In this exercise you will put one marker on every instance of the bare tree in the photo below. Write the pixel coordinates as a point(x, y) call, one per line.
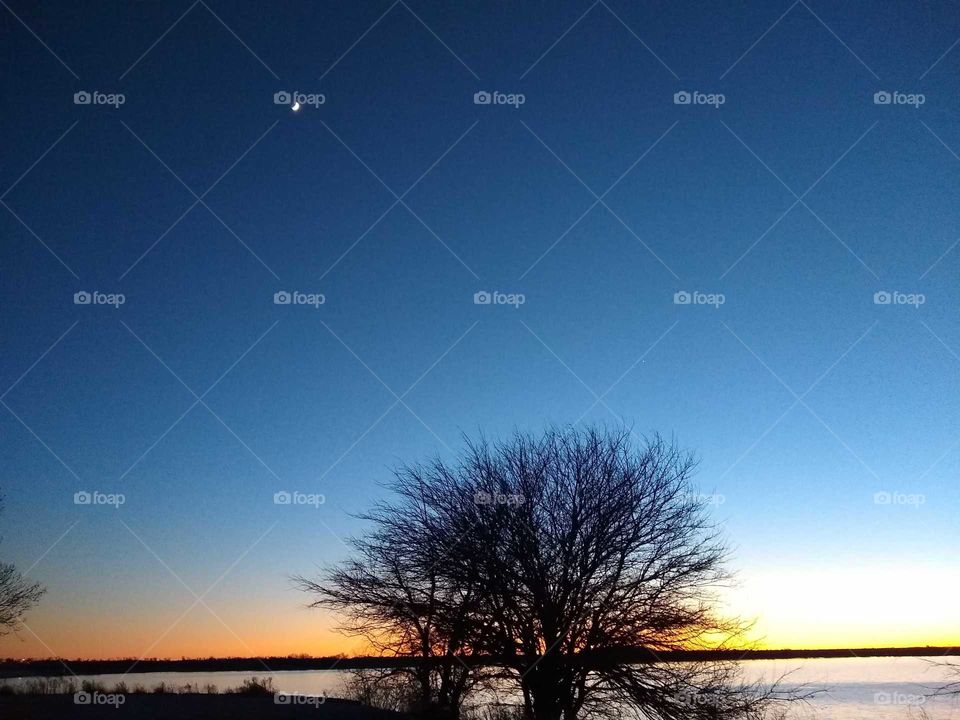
point(17, 595)
point(393, 594)
point(381, 688)
point(567, 552)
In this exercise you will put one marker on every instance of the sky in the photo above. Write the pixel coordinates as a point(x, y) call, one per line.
point(811, 224)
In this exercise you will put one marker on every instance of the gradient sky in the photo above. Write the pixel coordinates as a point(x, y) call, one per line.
point(802, 396)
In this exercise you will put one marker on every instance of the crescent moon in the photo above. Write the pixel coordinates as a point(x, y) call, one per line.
point(295, 107)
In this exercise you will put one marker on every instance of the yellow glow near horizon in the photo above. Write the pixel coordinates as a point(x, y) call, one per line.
point(863, 606)
point(795, 608)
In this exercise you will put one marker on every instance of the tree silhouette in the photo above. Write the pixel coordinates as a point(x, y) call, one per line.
point(557, 555)
point(17, 595)
point(394, 594)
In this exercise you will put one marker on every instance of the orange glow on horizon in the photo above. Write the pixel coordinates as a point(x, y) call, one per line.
point(800, 609)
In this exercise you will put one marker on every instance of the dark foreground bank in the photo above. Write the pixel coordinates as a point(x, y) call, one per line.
point(184, 707)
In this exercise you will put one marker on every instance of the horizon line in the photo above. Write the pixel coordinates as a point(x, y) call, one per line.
point(346, 661)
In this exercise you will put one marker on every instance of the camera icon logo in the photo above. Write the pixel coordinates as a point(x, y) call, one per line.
point(82, 98)
point(682, 297)
point(282, 298)
point(882, 297)
point(82, 698)
point(282, 97)
point(282, 698)
point(282, 498)
point(482, 98)
point(682, 98)
point(482, 298)
point(882, 97)
point(82, 498)
point(82, 298)
point(882, 498)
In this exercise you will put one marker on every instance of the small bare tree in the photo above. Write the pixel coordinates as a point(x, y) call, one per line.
point(381, 688)
point(17, 595)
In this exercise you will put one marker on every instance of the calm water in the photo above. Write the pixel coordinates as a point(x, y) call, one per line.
point(854, 688)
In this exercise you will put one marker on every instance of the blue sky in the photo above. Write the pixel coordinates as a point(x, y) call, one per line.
point(398, 198)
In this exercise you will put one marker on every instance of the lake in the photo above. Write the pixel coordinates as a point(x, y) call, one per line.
point(853, 688)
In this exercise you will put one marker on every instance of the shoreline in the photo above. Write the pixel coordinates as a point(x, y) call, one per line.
point(266, 665)
point(180, 706)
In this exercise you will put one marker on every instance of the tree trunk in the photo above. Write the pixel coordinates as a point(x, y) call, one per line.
point(546, 690)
